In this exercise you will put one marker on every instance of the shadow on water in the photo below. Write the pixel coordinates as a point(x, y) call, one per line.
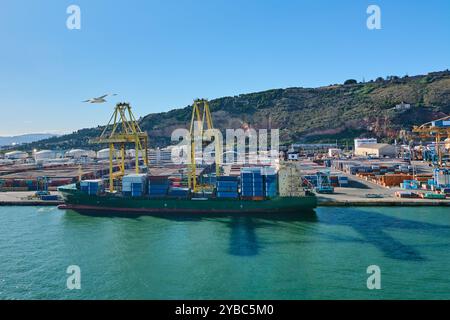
point(243, 238)
point(370, 225)
point(243, 230)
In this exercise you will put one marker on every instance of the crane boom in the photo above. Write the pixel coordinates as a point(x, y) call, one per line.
point(201, 114)
point(122, 129)
point(438, 129)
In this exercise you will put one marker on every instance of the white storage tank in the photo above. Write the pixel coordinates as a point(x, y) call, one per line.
point(131, 153)
point(44, 155)
point(104, 154)
point(80, 153)
point(16, 155)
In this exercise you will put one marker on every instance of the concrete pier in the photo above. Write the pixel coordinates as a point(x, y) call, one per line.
point(24, 199)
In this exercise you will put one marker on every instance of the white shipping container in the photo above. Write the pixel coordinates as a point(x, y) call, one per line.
point(133, 178)
point(137, 178)
point(267, 171)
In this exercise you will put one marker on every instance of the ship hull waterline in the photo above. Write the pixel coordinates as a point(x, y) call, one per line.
point(83, 203)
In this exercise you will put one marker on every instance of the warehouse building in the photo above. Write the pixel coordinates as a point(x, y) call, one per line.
point(361, 141)
point(161, 156)
point(379, 150)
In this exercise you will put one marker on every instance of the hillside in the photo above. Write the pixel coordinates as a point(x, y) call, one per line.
point(321, 114)
point(24, 138)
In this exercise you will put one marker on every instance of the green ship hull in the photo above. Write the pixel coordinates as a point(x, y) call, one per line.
point(79, 201)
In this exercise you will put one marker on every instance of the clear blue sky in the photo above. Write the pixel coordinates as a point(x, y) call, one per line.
point(160, 55)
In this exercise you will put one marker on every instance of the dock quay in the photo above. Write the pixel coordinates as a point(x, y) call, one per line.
point(341, 197)
point(24, 198)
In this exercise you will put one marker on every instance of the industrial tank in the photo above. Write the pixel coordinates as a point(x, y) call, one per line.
point(44, 155)
point(79, 153)
point(104, 154)
point(16, 155)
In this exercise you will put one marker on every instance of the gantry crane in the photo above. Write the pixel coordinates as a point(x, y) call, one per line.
point(123, 129)
point(200, 115)
point(438, 129)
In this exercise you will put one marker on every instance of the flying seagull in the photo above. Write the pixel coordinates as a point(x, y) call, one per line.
point(99, 99)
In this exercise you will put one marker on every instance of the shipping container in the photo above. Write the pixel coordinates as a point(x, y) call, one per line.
point(178, 192)
point(252, 184)
point(128, 180)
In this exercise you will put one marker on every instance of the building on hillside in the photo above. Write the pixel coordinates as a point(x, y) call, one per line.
point(379, 150)
point(402, 106)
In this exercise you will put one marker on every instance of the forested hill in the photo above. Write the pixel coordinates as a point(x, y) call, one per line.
point(324, 114)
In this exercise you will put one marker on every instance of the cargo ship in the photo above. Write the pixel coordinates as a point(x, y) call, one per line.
point(251, 192)
point(118, 203)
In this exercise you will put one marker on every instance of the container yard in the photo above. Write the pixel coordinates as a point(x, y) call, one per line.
point(25, 177)
point(353, 181)
point(372, 173)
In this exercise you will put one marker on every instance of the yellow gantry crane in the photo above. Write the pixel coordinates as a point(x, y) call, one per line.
point(201, 114)
point(438, 129)
point(123, 129)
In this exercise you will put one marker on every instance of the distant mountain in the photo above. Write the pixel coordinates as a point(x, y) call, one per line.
point(325, 114)
point(24, 138)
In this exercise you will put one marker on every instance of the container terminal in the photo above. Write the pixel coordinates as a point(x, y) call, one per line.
point(367, 174)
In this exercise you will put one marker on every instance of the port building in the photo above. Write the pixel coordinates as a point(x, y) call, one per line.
point(161, 156)
point(361, 141)
point(379, 150)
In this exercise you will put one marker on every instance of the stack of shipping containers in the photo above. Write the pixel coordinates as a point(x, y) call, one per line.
point(91, 187)
point(270, 182)
point(134, 185)
point(158, 186)
point(227, 187)
point(252, 182)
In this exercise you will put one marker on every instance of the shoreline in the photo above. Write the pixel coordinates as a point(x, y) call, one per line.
point(37, 203)
point(321, 203)
point(400, 203)
point(343, 197)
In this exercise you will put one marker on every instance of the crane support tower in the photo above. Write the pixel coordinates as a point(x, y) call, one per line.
point(438, 129)
point(121, 130)
point(201, 114)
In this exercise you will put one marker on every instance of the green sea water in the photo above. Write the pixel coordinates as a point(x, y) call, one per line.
point(321, 255)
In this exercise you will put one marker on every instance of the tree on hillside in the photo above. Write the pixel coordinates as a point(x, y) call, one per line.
point(350, 81)
point(390, 78)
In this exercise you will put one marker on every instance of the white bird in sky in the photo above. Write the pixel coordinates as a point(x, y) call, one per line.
point(99, 99)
